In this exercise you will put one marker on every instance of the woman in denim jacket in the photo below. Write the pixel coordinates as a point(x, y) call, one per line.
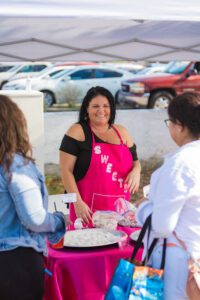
point(24, 220)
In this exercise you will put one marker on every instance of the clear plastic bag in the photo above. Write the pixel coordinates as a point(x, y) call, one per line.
point(126, 211)
point(122, 206)
point(105, 219)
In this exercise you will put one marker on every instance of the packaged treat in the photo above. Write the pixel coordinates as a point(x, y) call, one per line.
point(128, 219)
point(122, 206)
point(126, 210)
point(105, 219)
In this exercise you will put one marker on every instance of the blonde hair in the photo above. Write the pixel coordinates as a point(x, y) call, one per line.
point(13, 132)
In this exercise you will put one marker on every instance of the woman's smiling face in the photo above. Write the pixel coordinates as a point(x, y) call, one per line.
point(99, 110)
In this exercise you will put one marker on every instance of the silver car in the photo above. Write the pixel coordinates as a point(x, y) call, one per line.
point(71, 85)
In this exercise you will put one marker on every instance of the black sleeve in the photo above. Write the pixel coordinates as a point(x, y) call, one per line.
point(70, 145)
point(134, 152)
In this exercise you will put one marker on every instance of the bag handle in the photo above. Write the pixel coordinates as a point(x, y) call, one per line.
point(138, 244)
point(149, 250)
point(147, 226)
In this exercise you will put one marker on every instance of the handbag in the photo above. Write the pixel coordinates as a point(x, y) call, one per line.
point(119, 288)
point(148, 282)
point(121, 285)
point(193, 279)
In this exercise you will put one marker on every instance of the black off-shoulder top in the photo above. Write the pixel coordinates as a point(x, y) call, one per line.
point(83, 150)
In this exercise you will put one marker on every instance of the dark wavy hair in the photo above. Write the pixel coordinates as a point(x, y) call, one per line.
point(92, 93)
point(185, 109)
point(14, 135)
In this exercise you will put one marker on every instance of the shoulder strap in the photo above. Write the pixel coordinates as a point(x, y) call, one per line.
point(118, 134)
point(163, 255)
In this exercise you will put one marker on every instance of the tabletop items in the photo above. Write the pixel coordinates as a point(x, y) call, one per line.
point(126, 213)
point(105, 219)
point(93, 237)
point(85, 251)
point(124, 216)
point(109, 227)
point(128, 220)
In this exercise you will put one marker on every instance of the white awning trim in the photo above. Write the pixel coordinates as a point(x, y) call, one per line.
point(99, 30)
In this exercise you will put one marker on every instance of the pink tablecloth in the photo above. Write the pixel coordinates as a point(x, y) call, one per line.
point(82, 274)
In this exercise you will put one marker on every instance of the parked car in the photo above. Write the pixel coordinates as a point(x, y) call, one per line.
point(46, 74)
point(5, 66)
point(43, 76)
point(157, 90)
point(158, 68)
point(76, 63)
point(22, 70)
point(72, 84)
point(130, 67)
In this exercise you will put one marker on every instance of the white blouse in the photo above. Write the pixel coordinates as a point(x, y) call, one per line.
point(174, 198)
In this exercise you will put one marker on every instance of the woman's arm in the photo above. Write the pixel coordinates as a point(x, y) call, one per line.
point(169, 193)
point(169, 190)
point(133, 178)
point(27, 198)
point(67, 163)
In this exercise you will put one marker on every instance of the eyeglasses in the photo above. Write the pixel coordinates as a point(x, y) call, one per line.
point(167, 122)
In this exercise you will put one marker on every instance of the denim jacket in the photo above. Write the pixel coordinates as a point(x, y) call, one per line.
point(24, 220)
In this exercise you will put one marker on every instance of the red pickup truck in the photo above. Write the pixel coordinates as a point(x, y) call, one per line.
point(156, 90)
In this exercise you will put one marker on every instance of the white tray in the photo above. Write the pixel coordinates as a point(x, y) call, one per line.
point(93, 237)
point(134, 235)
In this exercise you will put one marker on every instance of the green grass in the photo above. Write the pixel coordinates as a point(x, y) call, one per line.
point(54, 184)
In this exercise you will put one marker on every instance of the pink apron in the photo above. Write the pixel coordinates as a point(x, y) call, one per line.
point(104, 183)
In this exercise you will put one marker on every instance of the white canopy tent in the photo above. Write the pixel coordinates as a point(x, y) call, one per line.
point(101, 30)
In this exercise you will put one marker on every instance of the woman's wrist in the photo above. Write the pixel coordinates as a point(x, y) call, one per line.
point(78, 201)
point(136, 169)
point(137, 166)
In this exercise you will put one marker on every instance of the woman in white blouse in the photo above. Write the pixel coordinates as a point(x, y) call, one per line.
point(174, 197)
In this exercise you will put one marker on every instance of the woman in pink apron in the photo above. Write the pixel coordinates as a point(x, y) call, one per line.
point(98, 160)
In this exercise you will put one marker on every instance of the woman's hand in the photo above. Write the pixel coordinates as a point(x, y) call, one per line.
point(83, 211)
point(133, 180)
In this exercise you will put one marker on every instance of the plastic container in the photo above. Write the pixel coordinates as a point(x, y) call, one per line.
point(105, 219)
